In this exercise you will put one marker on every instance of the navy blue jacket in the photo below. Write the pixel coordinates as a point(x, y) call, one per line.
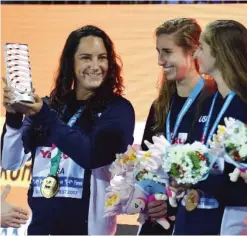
point(185, 131)
point(208, 221)
point(90, 144)
point(219, 186)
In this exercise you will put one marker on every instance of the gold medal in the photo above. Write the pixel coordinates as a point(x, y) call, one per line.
point(192, 200)
point(49, 186)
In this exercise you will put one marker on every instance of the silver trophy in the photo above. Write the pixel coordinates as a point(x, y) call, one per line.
point(17, 62)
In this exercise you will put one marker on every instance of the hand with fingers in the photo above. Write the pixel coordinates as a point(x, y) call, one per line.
point(157, 210)
point(11, 216)
point(176, 191)
point(179, 188)
point(21, 107)
point(8, 96)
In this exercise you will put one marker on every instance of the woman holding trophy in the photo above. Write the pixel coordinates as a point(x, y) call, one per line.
point(72, 137)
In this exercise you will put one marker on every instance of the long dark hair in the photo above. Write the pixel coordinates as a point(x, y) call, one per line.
point(65, 79)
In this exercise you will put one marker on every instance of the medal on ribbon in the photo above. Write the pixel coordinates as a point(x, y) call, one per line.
point(49, 186)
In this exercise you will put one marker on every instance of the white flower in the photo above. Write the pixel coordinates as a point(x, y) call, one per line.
point(151, 159)
point(234, 138)
point(181, 156)
point(199, 147)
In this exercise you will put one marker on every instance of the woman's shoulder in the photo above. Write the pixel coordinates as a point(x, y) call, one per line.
point(118, 106)
point(238, 109)
point(121, 102)
point(240, 101)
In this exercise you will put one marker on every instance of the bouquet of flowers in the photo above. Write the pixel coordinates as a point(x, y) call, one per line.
point(188, 163)
point(125, 196)
point(125, 163)
point(137, 161)
point(230, 142)
point(151, 160)
point(137, 179)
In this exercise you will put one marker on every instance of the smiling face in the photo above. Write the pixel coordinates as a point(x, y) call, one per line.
point(175, 61)
point(90, 63)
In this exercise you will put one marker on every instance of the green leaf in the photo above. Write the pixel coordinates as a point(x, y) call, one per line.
point(174, 172)
point(195, 160)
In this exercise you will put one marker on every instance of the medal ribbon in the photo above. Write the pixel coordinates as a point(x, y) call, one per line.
point(56, 159)
point(197, 89)
point(227, 102)
point(205, 202)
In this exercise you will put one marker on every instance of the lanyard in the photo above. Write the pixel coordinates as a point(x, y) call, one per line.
point(197, 89)
point(56, 159)
point(205, 129)
point(221, 113)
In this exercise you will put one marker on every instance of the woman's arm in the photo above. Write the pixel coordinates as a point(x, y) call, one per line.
point(111, 134)
point(15, 133)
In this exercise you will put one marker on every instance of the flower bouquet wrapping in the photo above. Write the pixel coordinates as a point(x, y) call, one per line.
point(188, 163)
point(133, 184)
point(151, 161)
point(230, 142)
point(125, 196)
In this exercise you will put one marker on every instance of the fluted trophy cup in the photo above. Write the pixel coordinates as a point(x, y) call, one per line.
point(18, 71)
